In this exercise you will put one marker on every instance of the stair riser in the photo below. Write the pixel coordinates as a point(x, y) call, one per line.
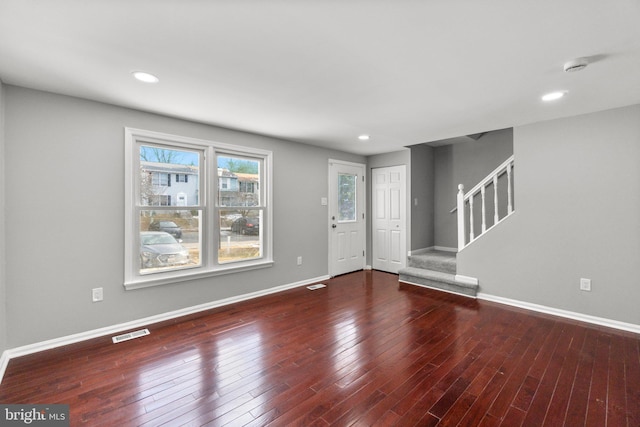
point(434, 284)
point(431, 264)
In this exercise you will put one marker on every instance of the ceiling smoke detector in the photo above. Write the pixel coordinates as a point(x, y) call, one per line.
point(576, 65)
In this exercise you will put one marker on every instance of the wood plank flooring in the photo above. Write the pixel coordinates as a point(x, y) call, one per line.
point(363, 351)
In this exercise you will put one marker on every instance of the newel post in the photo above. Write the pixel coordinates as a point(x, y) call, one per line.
point(461, 226)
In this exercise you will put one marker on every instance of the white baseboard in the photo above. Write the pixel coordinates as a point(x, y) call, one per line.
point(4, 362)
point(9, 354)
point(445, 249)
point(630, 327)
point(417, 251)
point(437, 289)
point(467, 280)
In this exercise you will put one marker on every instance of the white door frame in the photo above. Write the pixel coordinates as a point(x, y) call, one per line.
point(332, 209)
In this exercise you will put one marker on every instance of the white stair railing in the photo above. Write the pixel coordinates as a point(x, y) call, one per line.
point(481, 188)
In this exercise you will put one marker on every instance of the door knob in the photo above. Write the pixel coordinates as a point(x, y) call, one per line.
point(333, 226)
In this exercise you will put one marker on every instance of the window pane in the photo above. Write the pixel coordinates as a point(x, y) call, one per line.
point(169, 240)
point(347, 197)
point(169, 177)
point(240, 235)
point(238, 181)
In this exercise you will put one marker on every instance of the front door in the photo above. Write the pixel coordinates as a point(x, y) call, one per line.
point(346, 217)
point(388, 216)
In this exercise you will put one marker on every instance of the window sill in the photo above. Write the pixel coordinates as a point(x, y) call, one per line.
point(149, 281)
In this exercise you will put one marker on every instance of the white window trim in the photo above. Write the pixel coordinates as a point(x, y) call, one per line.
point(132, 278)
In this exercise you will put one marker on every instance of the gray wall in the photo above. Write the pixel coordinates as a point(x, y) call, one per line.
point(464, 163)
point(3, 304)
point(577, 215)
point(65, 216)
point(396, 158)
point(422, 189)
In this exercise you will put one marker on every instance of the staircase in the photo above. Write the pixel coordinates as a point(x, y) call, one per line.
point(437, 270)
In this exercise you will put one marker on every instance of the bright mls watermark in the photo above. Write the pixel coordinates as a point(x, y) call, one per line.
point(34, 415)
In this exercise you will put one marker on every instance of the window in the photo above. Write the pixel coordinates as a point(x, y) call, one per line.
point(347, 185)
point(247, 187)
point(160, 179)
point(207, 225)
point(240, 214)
point(159, 200)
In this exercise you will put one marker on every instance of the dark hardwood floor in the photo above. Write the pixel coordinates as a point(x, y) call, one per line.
point(363, 351)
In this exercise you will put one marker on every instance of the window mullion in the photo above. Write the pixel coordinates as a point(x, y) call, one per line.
point(213, 229)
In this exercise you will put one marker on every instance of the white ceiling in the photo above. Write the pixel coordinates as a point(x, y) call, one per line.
point(325, 71)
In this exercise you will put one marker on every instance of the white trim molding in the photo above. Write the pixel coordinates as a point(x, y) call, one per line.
point(438, 289)
point(467, 280)
point(9, 354)
point(445, 249)
point(4, 362)
point(206, 151)
point(601, 321)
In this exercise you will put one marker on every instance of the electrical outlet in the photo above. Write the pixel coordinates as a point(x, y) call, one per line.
point(96, 294)
point(585, 284)
point(299, 260)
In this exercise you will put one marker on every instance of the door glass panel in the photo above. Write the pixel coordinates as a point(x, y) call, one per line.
point(347, 197)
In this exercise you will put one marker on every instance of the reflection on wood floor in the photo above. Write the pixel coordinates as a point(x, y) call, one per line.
point(362, 351)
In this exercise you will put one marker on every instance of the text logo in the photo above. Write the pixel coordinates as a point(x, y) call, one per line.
point(34, 415)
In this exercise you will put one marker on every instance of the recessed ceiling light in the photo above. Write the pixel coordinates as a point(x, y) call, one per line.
point(363, 137)
point(145, 77)
point(552, 96)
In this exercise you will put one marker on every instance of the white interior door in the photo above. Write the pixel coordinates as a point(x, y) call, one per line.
point(389, 222)
point(346, 217)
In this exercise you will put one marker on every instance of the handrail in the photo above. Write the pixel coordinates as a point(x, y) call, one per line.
point(462, 198)
point(500, 170)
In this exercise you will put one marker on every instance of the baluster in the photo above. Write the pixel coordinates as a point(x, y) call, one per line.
point(471, 234)
point(484, 210)
point(496, 216)
point(509, 198)
point(461, 225)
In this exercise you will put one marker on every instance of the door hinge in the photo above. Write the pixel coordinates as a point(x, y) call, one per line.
point(362, 253)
